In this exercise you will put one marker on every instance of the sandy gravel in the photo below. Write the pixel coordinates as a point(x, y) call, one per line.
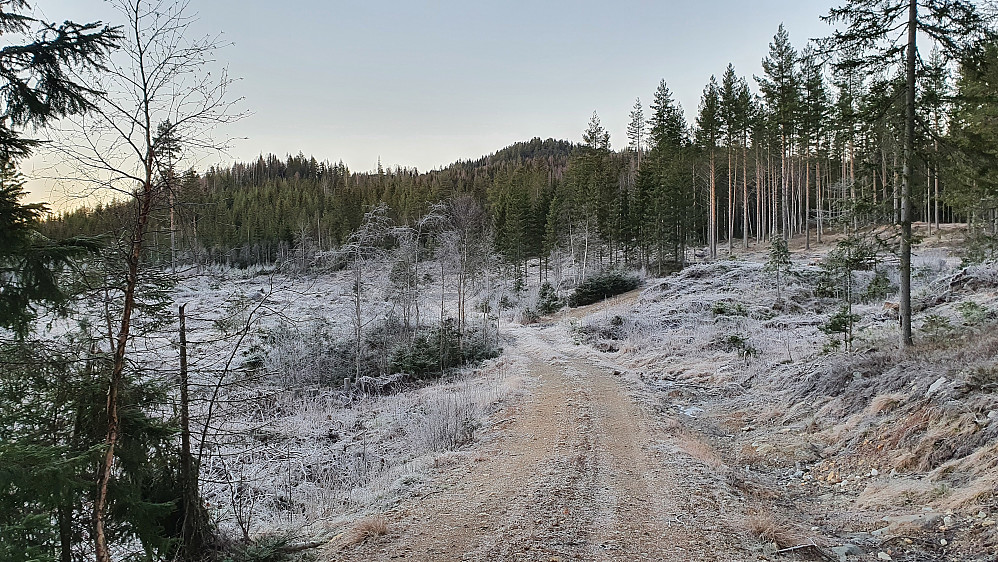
point(578, 471)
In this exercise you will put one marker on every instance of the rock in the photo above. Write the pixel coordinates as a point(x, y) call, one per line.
point(982, 514)
point(948, 520)
point(987, 522)
point(934, 387)
point(874, 472)
point(846, 550)
point(883, 556)
point(943, 542)
point(692, 411)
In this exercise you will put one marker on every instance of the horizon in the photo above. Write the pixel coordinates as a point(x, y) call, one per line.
point(427, 85)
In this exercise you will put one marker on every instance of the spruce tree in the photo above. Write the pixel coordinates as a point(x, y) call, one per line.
point(37, 85)
point(664, 186)
point(636, 128)
point(972, 164)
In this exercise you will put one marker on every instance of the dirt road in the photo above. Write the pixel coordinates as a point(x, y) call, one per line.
point(578, 471)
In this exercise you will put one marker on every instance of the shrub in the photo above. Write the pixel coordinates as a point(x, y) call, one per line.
point(309, 354)
point(547, 300)
point(879, 287)
point(267, 548)
point(721, 308)
point(440, 349)
point(739, 344)
point(984, 379)
point(972, 312)
point(936, 326)
point(602, 286)
point(529, 316)
point(505, 303)
point(779, 261)
point(842, 322)
point(979, 248)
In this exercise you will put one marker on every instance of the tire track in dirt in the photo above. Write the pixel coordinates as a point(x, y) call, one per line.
point(576, 474)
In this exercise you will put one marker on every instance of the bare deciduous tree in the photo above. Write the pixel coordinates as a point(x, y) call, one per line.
point(160, 75)
point(364, 247)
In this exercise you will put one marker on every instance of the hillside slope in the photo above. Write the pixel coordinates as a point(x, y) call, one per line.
point(706, 419)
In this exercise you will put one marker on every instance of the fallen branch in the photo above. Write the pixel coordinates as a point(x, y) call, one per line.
point(798, 547)
point(802, 547)
point(291, 549)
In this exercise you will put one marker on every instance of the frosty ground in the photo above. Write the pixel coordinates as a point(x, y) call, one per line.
point(699, 417)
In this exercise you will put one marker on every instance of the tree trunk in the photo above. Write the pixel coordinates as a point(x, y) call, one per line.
point(936, 182)
point(101, 551)
point(807, 205)
point(819, 203)
point(904, 307)
point(712, 219)
point(195, 524)
point(732, 179)
point(745, 213)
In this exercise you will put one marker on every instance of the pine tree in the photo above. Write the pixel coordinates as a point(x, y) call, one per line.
point(781, 89)
point(849, 91)
point(707, 135)
point(934, 105)
point(735, 106)
point(730, 129)
point(871, 41)
point(813, 118)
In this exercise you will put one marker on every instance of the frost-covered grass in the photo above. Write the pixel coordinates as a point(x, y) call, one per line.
point(299, 456)
point(762, 389)
point(286, 446)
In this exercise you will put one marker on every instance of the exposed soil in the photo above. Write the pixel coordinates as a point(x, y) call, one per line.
point(577, 471)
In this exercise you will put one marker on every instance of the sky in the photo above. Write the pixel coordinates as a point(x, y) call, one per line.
point(425, 83)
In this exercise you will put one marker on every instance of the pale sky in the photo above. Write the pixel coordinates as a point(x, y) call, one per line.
point(423, 83)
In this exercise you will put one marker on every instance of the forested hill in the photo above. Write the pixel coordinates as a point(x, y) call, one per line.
point(253, 212)
point(818, 147)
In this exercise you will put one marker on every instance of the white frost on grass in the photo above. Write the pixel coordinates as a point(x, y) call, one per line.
point(282, 450)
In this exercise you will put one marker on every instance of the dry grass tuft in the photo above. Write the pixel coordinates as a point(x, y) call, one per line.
point(770, 528)
point(749, 455)
point(367, 528)
point(885, 403)
point(689, 444)
point(894, 493)
point(978, 492)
